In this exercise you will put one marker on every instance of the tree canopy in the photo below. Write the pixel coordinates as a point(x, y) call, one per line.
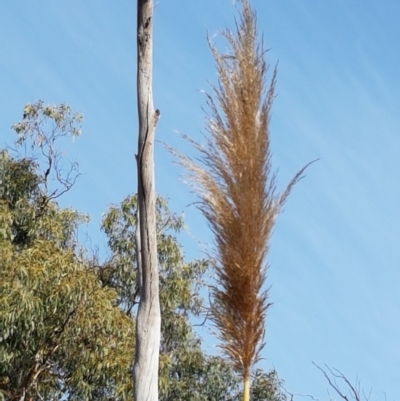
point(59, 323)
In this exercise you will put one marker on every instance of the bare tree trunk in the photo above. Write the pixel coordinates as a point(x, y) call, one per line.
point(148, 322)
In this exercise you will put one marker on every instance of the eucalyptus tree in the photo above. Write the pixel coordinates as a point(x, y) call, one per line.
point(61, 333)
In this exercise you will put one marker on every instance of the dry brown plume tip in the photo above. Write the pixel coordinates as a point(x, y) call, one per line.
point(237, 189)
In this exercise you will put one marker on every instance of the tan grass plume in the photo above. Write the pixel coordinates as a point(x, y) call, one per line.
point(237, 190)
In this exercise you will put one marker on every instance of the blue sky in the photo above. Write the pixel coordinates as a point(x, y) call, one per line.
point(335, 250)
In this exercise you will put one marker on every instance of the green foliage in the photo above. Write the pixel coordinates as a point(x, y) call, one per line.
point(61, 331)
point(182, 363)
point(59, 325)
point(178, 279)
point(44, 124)
point(42, 127)
point(34, 215)
point(267, 386)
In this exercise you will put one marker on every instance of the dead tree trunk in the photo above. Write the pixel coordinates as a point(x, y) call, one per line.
point(148, 322)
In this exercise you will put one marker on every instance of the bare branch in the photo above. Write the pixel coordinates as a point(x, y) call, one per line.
point(204, 321)
point(292, 395)
point(333, 376)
